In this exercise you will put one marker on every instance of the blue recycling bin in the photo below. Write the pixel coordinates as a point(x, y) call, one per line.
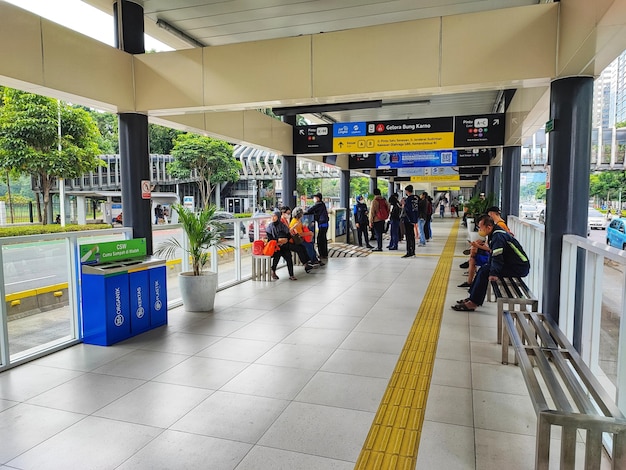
point(158, 295)
point(122, 299)
point(106, 304)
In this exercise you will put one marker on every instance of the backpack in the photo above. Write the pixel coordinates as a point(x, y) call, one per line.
point(383, 209)
point(271, 248)
point(257, 247)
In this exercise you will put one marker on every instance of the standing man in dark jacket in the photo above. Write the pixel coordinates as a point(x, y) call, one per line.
point(507, 260)
point(320, 214)
point(361, 220)
point(409, 218)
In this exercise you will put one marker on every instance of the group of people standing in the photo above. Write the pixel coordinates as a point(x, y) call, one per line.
point(409, 217)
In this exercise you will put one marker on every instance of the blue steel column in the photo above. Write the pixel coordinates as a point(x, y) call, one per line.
point(488, 182)
point(390, 188)
point(344, 199)
point(373, 184)
point(497, 183)
point(289, 179)
point(511, 169)
point(133, 131)
point(571, 100)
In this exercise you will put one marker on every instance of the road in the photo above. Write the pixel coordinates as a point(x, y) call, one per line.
point(31, 266)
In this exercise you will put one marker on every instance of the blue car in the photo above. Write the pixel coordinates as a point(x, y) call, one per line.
point(616, 234)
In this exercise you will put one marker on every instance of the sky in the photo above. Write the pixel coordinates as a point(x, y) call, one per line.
point(85, 19)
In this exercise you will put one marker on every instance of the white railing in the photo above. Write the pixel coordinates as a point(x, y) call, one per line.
point(599, 295)
point(596, 330)
point(531, 235)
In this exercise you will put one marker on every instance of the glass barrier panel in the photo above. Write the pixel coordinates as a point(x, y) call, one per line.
point(36, 292)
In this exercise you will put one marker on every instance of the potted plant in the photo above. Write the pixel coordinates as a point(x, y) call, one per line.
point(197, 287)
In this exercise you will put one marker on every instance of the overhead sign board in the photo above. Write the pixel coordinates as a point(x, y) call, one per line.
point(401, 135)
point(416, 159)
point(479, 130)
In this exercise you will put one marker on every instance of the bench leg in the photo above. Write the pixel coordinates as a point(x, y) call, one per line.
point(542, 443)
point(593, 449)
point(568, 447)
point(619, 450)
point(500, 310)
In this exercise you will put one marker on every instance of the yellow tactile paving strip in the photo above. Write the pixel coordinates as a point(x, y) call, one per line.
point(393, 439)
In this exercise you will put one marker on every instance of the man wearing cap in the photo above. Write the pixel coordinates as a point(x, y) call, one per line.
point(507, 260)
point(479, 250)
point(320, 214)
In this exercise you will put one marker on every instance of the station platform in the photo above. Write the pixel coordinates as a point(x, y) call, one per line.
point(360, 364)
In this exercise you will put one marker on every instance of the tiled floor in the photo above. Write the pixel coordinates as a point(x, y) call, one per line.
point(286, 375)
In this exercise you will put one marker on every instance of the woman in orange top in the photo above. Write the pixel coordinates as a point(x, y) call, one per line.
point(296, 226)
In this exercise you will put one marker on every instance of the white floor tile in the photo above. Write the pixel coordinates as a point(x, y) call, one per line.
point(302, 356)
point(24, 426)
point(87, 393)
point(181, 450)
point(344, 391)
point(452, 373)
point(446, 446)
point(439, 408)
point(141, 364)
point(457, 350)
point(155, 404)
point(27, 381)
point(515, 413)
point(369, 364)
point(235, 349)
point(317, 336)
point(270, 381)
point(203, 372)
point(374, 342)
point(324, 431)
point(233, 416)
point(95, 443)
point(498, 378)
point(82, 357)
point(267, 458)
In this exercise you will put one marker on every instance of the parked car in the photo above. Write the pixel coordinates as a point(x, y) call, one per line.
point(528, 211)
point(229, 227)
point(597, 219)
point(262, 224)
point(616, 234)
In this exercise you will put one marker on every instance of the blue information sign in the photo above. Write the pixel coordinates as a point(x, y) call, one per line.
point(416, 159)
point(349, 129)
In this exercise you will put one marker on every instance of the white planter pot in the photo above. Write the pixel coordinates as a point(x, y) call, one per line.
point(198, 292)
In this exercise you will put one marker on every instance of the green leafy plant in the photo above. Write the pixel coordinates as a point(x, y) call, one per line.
point(476, 206)
point(203, 231)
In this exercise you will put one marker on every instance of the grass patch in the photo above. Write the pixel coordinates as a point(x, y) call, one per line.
point(21, 230)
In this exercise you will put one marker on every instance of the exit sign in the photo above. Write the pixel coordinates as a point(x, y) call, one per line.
point(550, 126)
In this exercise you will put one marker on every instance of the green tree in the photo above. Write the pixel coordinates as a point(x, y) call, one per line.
point(162, 139)
point(209, 161)
point(540, 193)
point(606, 183)
point(29, 140)
point(108, 126)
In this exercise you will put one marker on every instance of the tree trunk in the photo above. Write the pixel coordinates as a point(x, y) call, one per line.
point(45, 189)
point(38, 199)
point(11, 214)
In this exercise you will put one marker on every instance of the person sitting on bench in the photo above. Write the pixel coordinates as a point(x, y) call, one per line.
point(507, 260)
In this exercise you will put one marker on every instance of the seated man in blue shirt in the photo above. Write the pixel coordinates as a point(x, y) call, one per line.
point(507, 259)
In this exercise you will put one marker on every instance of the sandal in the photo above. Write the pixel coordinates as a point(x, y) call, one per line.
point(465, 284)
point(462, 308)
point(462, 301)
point(274, 276)
point(293, 278)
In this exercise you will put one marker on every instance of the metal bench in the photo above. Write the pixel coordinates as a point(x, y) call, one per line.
point(261, 268)
point(576, 399)
point(511, 293)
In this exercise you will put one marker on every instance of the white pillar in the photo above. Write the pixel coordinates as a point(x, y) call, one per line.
point(81, 209)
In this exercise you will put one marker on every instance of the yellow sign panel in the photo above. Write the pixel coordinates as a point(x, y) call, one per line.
point(393, 143)
point(435, 178)
point(448, 188)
